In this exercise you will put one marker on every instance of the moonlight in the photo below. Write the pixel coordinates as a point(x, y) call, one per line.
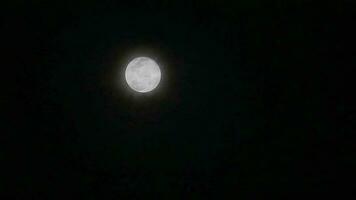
point(143, 74)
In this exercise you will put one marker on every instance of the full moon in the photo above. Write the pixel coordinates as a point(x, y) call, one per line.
point(143, 74)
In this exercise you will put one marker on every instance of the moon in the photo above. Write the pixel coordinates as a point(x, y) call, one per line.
point(143, 74)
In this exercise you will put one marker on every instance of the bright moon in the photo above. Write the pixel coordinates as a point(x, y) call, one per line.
point(143, 74)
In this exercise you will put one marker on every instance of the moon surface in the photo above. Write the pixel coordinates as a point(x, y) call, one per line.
point(143, 74)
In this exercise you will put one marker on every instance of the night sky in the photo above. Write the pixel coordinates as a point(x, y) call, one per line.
point(242, 110)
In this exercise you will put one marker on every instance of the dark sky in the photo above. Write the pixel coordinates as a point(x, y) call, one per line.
point(242, 111)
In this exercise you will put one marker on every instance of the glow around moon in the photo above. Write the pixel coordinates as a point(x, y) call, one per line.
point(143, 74)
